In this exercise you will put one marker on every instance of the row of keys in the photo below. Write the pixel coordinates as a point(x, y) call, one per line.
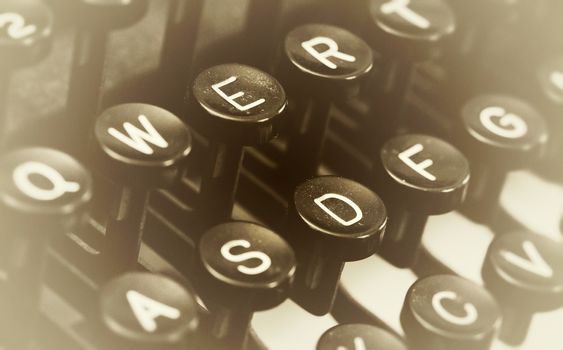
point(333, 220)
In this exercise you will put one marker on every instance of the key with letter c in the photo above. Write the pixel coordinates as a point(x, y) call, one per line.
point(449, 312)
point(331, 220)
point(242, 268)
point(43, 193)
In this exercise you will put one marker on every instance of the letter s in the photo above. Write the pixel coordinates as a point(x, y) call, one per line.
point(265, 264)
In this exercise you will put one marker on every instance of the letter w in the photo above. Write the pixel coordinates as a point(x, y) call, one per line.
point(136, 137)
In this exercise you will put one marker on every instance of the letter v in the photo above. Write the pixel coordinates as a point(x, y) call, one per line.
point(535, 262)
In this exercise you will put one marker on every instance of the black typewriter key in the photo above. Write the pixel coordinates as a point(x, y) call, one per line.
point(43, 193)
point(323, 64)
point(359, 337)
point(25, 33)
point(138, 147)
point(94, 20)
point(232, 105)
point(417, 176)
point(524, 271)
point(141, 310)
point(331, 220)
point(448, 312)
point(405, 33)
point(243, 268)
point(500, 133)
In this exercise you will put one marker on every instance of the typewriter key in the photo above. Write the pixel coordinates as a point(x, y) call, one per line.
point(94, 20)
point(243, 268)
point(405, 33)
point(323, 64)
point(417, 176)
point(141, 310)
point(444, 312)
point(25, 37)
point(232, 105)
point(138, 147)
point(500, 133)
point(43, 192)
point(331, 220)
point(359, 336)
point(524, 271)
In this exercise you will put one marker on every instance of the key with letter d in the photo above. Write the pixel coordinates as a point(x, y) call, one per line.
point(331, 220)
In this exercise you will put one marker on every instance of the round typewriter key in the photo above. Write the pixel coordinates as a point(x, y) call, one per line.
point(94, 20)
point(323, 63)
point(244, 267)
point(332, 220)
point(524, 271)
point(43, 192)
point(418, 176)
point(138, 147)
point(500, 133)
point(449, 312)
point(25, 33)
point(359, 336)
point(406, 33)
point(142, 310)
point(232, 105)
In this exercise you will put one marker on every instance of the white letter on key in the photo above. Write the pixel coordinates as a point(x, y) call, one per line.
point(331, 51)
point(231, 99)
point(400, 7)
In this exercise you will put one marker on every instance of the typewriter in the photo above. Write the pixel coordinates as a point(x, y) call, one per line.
point(276, 174)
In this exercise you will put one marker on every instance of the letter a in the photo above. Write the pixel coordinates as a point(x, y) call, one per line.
point(146, 310)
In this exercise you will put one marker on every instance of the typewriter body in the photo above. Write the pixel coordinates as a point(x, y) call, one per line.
point(281, 174)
